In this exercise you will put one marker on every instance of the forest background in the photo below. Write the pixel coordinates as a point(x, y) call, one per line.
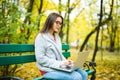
point(88, 24)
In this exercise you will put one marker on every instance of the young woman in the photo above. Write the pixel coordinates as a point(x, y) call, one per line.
point(48, 52)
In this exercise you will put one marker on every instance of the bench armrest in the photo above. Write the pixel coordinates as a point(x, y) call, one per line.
point(90, 64)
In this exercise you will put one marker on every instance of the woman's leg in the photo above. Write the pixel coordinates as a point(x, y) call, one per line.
point(59, 75)
point(83, 74)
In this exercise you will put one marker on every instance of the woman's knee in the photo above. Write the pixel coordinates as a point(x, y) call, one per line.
point(83, 73)
point(76, 76)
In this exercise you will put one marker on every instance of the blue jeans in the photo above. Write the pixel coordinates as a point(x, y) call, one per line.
point(61, 75)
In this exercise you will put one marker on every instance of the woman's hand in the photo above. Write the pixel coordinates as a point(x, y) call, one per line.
point(66, 62)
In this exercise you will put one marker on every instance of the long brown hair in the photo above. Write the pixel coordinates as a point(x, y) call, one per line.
point(49, 22)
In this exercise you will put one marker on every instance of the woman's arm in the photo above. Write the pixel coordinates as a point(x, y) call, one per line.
point(41, 58)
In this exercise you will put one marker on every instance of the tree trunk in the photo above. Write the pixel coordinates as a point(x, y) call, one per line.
point(27, 19)
point(101, 45)
point(97, 34)
point(68, 22)
point(94, 30)
point(40, 10)
point(61, 30)
point(112, 37)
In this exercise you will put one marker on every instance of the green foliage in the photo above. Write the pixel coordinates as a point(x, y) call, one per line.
point(9, 22)
point(12, 27)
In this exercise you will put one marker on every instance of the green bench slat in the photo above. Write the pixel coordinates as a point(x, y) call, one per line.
point(90, 72)
point(8, 60)
point(65, 47)
point(66, 54)
point(12, 48)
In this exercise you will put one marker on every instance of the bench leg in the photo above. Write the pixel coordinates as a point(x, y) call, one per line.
point(93, 77)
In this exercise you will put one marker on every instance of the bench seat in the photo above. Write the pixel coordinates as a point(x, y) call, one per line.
point(16, 57)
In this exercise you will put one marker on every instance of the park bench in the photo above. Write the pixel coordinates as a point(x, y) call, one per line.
point(17, 58)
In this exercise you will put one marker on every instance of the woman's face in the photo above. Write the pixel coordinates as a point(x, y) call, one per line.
point(57, 25)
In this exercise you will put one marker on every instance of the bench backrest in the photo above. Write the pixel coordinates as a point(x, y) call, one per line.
point(17, 49)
